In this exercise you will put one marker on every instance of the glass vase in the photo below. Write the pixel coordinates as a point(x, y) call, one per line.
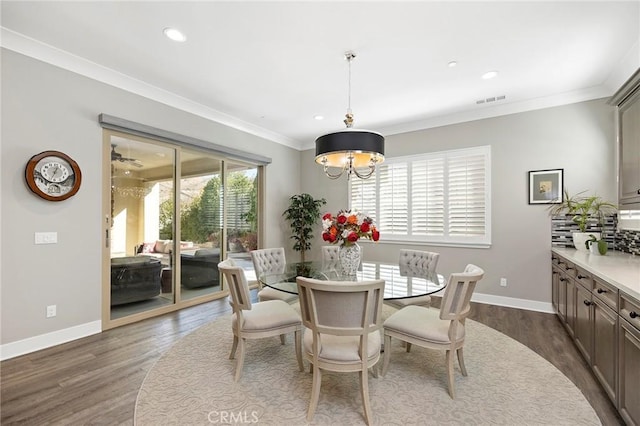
point(349, 256)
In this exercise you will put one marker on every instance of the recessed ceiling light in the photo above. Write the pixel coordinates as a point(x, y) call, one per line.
point(318, 117)
point(174, 34)
point(452, 64)
point(490, 74)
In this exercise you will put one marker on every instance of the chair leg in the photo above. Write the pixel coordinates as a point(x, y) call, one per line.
point(315, 393)
point(240, 361)
point(234, 347)
point(364, 389)
point(450, 373)
point(387, 354)
point(461, 362)
point(282, 339)
point(298, 339)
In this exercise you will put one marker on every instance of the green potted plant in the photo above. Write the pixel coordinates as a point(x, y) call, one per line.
point(596, 246)
point(582, 210)
point(303, 212)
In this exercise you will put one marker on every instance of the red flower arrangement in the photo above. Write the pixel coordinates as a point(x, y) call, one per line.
point(347, 227)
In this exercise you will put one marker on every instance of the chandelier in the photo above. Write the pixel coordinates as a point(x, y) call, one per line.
point(350, 151)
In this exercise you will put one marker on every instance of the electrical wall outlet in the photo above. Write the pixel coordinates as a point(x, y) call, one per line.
point(51, 311)
point(503, 282)
point(46, 238)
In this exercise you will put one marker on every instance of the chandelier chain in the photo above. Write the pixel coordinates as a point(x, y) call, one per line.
point(348, 121)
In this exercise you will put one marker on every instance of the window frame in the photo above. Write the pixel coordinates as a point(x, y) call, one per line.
point(483, 241)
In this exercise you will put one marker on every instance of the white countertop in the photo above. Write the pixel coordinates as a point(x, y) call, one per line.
point(620, 269)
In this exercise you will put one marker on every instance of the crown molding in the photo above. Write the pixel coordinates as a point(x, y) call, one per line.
point(35, 49)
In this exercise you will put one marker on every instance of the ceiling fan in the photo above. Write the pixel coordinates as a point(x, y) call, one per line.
point(116, 156)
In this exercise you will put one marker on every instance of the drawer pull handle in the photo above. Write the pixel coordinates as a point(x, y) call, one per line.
point(638, 191)
point(601, 290)
point(563, 279)
point(569, 268)
point(588, 303)
point(581, 277)
point(633, 314)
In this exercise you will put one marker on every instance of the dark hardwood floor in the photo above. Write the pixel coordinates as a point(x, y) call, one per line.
point(95, 380)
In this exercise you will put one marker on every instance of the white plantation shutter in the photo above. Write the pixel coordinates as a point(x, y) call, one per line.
point(466, 195)
point(393, 214)
point(364, 196)
point(441, 197)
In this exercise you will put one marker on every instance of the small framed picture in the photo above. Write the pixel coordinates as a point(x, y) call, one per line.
point(545, 186)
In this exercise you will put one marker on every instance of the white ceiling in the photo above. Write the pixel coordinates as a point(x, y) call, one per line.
point(270, 67)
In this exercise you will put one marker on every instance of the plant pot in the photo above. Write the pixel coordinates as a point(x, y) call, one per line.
point(580, 238)
point(598, 248)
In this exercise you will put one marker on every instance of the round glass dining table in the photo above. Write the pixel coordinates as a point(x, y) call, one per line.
point(397, 285)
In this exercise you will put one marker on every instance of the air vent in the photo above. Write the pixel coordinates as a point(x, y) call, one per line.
point(492, 99)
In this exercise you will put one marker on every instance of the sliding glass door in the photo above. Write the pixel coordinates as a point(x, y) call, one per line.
point(174, 213)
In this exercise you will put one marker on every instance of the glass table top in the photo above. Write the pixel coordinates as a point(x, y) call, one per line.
point(397, 285)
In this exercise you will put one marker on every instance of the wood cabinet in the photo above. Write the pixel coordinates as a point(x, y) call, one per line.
point(629, 360)
point(627, 102)
point(604, 355)
point(564, 272)
point(555, 276)
point(604, 323)
point(583, 325)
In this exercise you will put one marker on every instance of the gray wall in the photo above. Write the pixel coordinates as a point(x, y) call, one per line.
point(45, 107)
point(578, 138)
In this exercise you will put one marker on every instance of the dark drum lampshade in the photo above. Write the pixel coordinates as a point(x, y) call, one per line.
point(350, 150)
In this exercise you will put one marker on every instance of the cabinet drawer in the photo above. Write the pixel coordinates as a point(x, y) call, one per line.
point(630, 310)
point(567, 267)
point(606, 292)
point(585, 278)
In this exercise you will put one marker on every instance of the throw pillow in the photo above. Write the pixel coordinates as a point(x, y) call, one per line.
point(159, 246)
point(168, 247)
point(147, 247)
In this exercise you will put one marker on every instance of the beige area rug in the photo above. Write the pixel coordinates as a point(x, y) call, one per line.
point(508, 384)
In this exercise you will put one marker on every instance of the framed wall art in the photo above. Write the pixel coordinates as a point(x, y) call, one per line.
point(545, 186)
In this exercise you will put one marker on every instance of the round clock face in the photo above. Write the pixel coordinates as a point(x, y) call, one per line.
point(53, 175)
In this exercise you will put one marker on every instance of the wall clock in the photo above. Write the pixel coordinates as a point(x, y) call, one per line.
point(53, 175)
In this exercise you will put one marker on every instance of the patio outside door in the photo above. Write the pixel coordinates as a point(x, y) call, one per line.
point(168, 206)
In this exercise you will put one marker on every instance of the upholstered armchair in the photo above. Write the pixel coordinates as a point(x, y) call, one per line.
point(442, 328)
point(416, 263)
point(257, 320)
point(342, 321)
point(270, 261)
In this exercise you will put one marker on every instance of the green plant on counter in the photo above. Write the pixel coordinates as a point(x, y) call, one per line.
point(583, 208)
point(601, 243)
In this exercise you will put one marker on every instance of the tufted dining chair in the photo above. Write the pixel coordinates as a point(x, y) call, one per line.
point(331, 261)
point(418, 263)
point(436, 328)
point(270, 261)
point(342, 320)
point(257, 320)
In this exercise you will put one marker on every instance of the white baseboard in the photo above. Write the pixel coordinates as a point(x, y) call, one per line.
point(43, 341)
point(512, 302)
